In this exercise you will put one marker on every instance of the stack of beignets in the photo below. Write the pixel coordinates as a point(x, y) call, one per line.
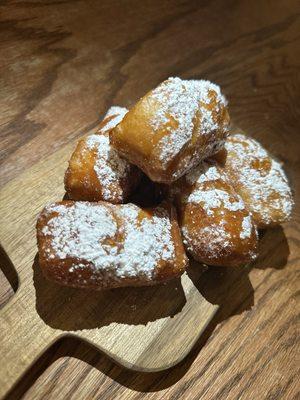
point(224, 189)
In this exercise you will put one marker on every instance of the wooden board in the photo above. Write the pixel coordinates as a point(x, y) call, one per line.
point(147, 329)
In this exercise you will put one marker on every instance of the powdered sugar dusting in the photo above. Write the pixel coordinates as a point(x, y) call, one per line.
point(180, 103)
point(146, 243)
point(109, 166)
point(215, 198)
point(113, 116)
point(210, 198)
point(203, 173)
point(190, 161)
point(215, 237)
point(89, 232)
point(247, 227)
point(260, 178)
point(214, 217)
point(77, 231)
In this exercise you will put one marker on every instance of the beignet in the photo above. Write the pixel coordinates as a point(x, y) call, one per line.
point(100, 245)
point(217, 229)
point(259, 179)
point(96, 171)
point(172, 128)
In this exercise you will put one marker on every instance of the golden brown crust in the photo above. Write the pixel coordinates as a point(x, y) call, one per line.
point(259, 180)
point(100, 245)
point(172, 128)
point(216, 227)
point(96, 172)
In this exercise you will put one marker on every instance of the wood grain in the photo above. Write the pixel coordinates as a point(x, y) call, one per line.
point(62, 64)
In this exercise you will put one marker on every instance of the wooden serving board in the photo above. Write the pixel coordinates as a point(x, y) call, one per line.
point(147, 329)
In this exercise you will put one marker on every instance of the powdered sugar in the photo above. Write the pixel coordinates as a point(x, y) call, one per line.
point(247, 227)
point(86, 231)
point(109, 166)
point(215, 219)
point(210, 197)
point(113, 116)
point(146, 243)
point(77, 231)
point(190, 161)
point(213, 239)
point(260, 179)
point(206, 193)
point(203, 173)
point(180, 102)
point(215, 198)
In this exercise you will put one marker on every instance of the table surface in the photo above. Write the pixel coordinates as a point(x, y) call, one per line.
point(62, 64)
